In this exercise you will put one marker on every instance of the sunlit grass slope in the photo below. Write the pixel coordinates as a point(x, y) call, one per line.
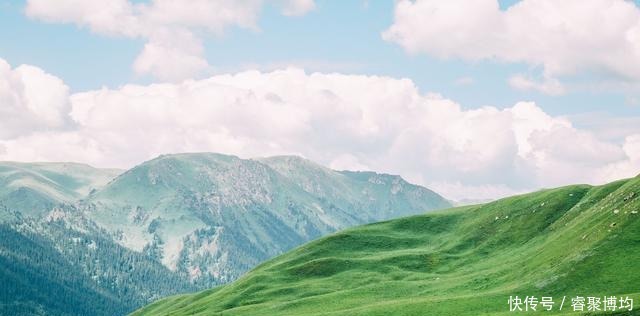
point(576, 240)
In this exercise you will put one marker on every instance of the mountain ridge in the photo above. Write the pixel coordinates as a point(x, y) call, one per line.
point(35, 188)
point(198, 195)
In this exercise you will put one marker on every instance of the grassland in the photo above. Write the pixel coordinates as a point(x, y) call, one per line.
point(571, 241)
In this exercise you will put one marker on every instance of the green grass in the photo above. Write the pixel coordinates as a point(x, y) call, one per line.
point(576, 240)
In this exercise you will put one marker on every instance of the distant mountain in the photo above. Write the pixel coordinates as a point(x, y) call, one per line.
point(212, 217)
point(35, 188)
point(56, 261)
point(575, 241)
point(119, 239)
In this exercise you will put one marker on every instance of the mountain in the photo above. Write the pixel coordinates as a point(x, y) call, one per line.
point(77, 240)
point(52, 270)
point(35, 188)
point(56, 261)
point(212, 217)
point(561, 243)
point(34, 274)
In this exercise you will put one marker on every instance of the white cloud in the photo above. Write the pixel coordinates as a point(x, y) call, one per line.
point(625, 168)
point(173, 51)
point(632, 147)
point(550, 86)
point(312, 65)
point(473, 194)
point(172, 56)
point(348, 162)
point(105, 17)
point(31, 100)
point(606, 125)
point(563, 37)
point(297, 7)
point(343, 121)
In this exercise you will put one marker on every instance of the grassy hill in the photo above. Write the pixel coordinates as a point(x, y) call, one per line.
point(571, 241)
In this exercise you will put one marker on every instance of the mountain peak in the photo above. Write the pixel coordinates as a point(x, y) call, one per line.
point(194, 156)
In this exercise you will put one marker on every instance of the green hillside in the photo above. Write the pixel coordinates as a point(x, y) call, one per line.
point(571, 241)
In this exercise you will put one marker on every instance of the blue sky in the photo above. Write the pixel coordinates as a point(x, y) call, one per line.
point(343, 36)
point(501, 97)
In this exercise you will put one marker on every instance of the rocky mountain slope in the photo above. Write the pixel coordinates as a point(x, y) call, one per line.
point(212, 217)
point(173, 224)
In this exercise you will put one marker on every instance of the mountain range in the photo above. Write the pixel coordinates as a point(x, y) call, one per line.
point(107, 241)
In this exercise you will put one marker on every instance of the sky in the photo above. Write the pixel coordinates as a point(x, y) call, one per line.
point(474, 99)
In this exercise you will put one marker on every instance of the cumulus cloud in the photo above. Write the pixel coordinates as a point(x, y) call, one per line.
point(628, 167)
point(632, 147)
point(173, 51)
point(31, 100)
point(563, 37)
point(172, 55)
point(343, 121)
